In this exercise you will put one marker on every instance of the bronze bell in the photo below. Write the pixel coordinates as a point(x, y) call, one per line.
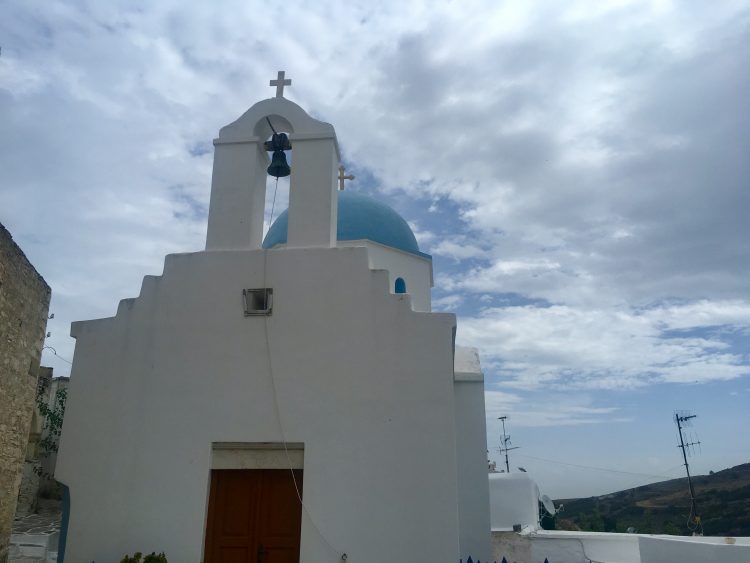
point(278, 144)
point(279, 167)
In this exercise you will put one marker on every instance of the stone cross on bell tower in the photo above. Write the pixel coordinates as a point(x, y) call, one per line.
point(280, 83)
point(238, 186)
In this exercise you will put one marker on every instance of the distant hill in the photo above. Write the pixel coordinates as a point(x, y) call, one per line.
point(723, 500)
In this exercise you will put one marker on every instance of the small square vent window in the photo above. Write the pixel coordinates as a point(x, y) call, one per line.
point(258, 301)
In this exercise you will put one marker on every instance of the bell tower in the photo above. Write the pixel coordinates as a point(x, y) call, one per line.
point(238, 186)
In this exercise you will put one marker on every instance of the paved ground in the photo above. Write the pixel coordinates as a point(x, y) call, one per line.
point(34, 537)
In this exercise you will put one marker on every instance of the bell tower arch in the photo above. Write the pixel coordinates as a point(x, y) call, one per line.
point(238, 185)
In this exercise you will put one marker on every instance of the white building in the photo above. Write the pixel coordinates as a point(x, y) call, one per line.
point(517, 536)
point(189, 408)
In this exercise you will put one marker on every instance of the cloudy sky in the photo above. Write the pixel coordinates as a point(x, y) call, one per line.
point(578, 170)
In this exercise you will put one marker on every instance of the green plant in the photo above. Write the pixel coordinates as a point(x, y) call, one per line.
point(53, 420)
point(151, 558)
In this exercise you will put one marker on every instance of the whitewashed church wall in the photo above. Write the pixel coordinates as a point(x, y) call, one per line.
point(514, 500)
point(579, 547)
point(511, 545)
point(473, 485)
point(236, 217)
point(663, 549)
point(364, 382)
point(416, 271)
point(564, 547)
point(313, 201)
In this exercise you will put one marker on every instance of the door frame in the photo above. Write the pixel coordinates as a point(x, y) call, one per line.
point(250, 455)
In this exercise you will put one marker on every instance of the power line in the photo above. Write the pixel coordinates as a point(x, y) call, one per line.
point(56, 354)
point(598, 468)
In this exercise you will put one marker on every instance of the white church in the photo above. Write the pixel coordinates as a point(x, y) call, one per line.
point(283, 399)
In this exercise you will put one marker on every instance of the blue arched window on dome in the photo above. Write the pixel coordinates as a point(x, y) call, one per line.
point(400, 286)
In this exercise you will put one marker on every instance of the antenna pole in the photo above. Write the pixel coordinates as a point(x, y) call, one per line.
point(506, 440)
point(694, 522)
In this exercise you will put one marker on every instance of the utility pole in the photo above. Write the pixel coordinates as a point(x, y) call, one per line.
point(506, 442)
point(694, 521)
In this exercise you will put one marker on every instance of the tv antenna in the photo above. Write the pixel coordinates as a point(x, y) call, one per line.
point(683, 420)
point(505, 447)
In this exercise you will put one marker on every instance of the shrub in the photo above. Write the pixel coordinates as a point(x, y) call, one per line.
point(138, 558)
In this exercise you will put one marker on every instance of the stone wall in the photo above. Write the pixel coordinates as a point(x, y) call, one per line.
point(28, 491)
point(24, 302)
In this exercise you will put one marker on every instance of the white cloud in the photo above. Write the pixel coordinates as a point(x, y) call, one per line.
point(587, 155)
point(566, 136)
point(452, 249)
point(447, 302)
point(424, 237)
point(617, 348)
point(556, 410)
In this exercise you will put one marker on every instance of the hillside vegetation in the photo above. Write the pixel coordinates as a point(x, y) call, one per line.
point(723, 500)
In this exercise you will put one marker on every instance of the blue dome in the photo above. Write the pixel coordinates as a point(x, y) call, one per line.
point(360, 217)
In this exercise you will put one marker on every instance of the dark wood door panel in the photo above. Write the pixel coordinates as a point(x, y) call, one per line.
point(254, 516)
point(279, 528)
point(238, 497)
point(233, 555)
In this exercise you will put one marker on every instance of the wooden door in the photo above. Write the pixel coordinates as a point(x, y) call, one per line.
point(254, 516)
